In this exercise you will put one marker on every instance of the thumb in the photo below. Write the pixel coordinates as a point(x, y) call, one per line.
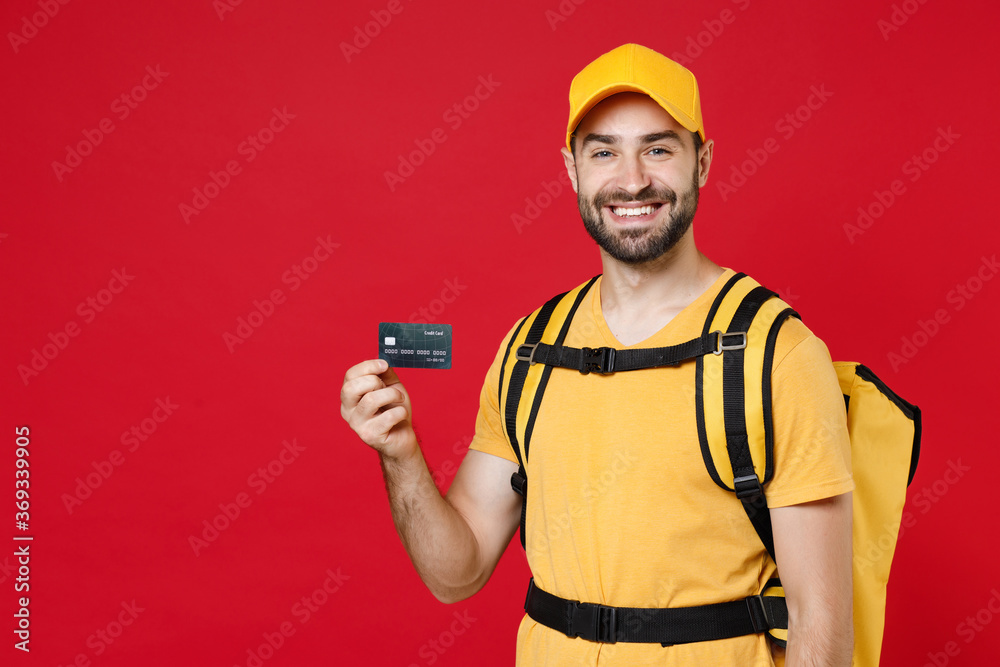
point(389, 377)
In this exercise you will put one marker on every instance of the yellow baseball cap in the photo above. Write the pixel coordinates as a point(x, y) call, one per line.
point(632, 67)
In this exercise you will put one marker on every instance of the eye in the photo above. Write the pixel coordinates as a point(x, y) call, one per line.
point(660, 151)
point(602, 153)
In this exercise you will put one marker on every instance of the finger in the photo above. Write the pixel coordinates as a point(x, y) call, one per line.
point(354, 390)
point(368, 367)
point(373, 402)
point(376, 431)
point(389, 376)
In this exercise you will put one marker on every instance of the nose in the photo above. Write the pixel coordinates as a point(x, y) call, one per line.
point(632, 174)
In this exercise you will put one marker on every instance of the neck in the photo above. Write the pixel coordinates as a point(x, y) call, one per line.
point(640, 299)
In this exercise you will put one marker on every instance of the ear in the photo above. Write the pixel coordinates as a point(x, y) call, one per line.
point(705, 162)
point(570, 168)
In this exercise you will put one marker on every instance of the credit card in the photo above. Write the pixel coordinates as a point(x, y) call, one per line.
point(410, 345)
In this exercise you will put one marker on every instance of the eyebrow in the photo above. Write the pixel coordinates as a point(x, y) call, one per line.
point(614, 139)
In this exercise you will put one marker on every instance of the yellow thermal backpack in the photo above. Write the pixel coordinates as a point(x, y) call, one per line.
point(733, 355)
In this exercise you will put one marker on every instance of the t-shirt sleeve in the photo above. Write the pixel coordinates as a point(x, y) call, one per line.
point(490, 436)
point(812, 449)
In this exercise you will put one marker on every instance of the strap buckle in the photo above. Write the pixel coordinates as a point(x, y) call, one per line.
point(526, 352)
point(737, 341)
point(519, 483)
point(598, 360)
point(748, 488)
point(758, 614)
point(595, 622)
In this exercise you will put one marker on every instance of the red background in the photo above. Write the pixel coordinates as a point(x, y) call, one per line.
point(323, 175)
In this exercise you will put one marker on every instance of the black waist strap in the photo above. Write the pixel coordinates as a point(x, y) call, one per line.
point(678, 625)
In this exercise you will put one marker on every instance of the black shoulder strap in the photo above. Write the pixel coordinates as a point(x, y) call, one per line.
point(733, 397)
point(543, 321)
point(762, 326)
point(746, 483)
point(520, 371)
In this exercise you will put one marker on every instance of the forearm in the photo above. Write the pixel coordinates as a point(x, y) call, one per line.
point(820, 643)
point(813, 545)
point(438, 539)
point(441, 542)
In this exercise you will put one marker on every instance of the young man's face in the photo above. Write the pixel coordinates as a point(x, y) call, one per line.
point(636, 174)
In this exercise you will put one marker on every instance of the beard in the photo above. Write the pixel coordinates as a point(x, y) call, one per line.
point(637, 246)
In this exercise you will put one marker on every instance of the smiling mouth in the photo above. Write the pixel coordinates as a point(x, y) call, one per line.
point(635, 213)
point(627, 212)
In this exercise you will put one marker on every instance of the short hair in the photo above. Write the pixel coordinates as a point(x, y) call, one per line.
point(697, 142)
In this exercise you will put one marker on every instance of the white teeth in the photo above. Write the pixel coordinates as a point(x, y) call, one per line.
point(632, 212)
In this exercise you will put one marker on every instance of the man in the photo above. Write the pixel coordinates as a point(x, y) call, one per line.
point(623, 512)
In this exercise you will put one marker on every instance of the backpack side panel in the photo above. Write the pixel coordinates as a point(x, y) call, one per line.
point(883, 440)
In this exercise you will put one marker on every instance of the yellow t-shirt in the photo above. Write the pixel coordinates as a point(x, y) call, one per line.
point(622, 510)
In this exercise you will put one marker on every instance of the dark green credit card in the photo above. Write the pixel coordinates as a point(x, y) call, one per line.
point(412, 345)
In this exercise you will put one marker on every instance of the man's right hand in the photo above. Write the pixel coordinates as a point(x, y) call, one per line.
point(376, 405)
point(455, 543)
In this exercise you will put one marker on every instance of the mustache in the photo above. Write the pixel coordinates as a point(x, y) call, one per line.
point(648, 194)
